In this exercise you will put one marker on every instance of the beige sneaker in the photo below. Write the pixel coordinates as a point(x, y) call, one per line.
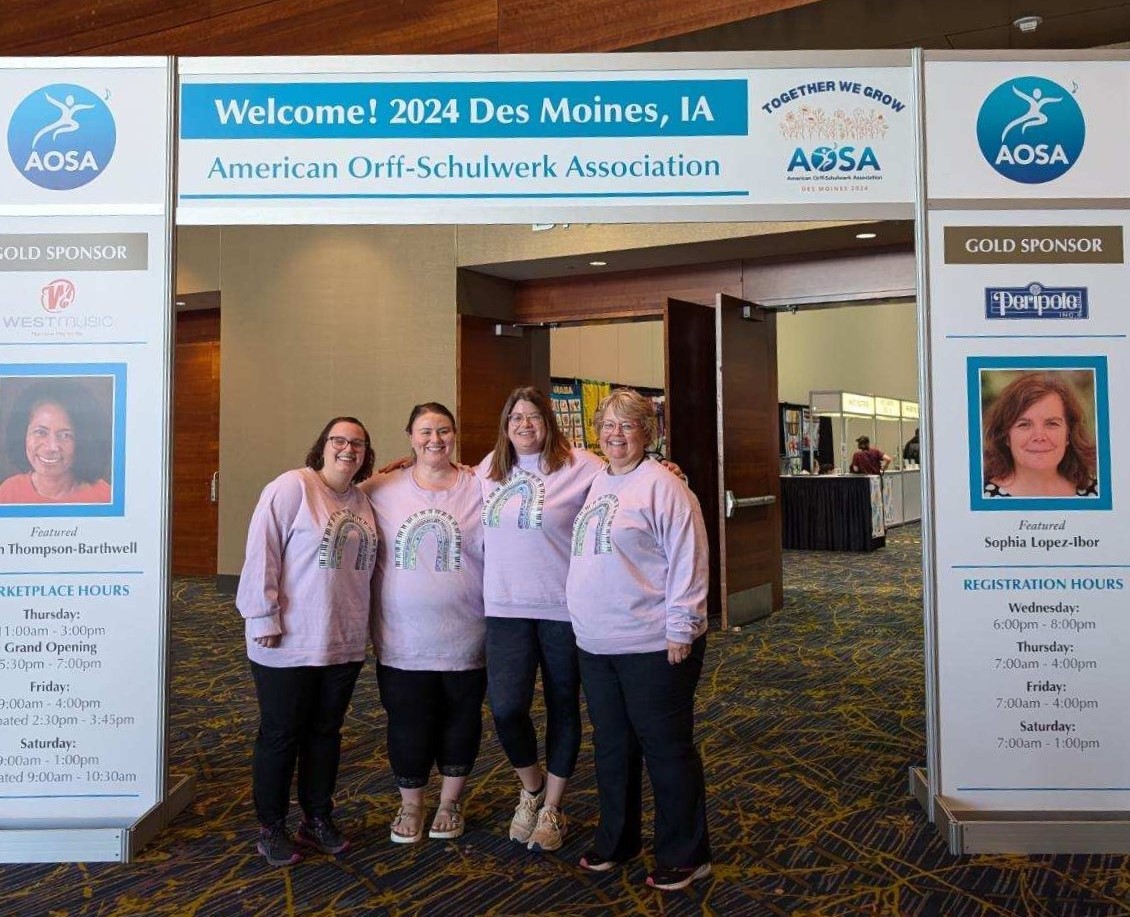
point(526, 815)
point(550, 831)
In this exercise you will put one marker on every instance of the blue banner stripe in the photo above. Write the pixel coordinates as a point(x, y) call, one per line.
point(597, 108)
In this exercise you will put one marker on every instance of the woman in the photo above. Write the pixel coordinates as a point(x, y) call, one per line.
point(533, 484)
point(61, 447)
point(305, 593)
point(637, 597)
point(1037, 442)
point(427, 626)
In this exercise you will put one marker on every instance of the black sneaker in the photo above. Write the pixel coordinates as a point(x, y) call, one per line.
point(594, 862)
point(322, 834)
point(276, 844)
point(672, 878)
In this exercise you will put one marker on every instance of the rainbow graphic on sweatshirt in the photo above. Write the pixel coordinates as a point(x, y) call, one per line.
point(529, 487)
point(340, 527)
point(604, 511)
point(449, 540)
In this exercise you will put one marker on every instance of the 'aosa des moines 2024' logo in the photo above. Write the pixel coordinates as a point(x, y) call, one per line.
point(1030, 129)
point(61, 136)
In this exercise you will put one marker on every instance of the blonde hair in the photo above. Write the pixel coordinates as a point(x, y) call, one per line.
point(630, 405)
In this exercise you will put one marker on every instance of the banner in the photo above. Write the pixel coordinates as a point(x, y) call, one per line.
point(85, 309)
point(433, 146)
point(1027, 340)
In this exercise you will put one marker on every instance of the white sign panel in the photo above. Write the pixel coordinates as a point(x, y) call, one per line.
point(1052, 129)
point(84, 308)
point(430, 146)
point(1029, 354)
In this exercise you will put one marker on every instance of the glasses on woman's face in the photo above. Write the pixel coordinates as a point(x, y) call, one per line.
point(624, 426)
point(340, 442)
point(516, 420)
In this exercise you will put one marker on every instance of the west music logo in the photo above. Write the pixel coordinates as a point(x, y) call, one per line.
point(57, 295)
point(53, 319)
point(1036, 301)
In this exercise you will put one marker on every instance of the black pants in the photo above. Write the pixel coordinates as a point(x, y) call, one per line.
point(642, 707)
point(301, 710)
point(433, 718)
point(516, 649)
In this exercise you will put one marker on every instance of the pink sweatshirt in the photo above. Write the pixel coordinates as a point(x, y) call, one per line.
point(428, 615)
point(638, 575)
point(527, 526)
point(307, 572)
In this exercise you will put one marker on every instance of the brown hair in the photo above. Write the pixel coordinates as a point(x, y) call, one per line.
point(630, 405)
point(316, 457)
point(428, 407)
point(1078, 463)
point(556, 452)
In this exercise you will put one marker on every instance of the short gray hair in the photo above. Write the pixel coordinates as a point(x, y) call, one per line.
point(628, 404)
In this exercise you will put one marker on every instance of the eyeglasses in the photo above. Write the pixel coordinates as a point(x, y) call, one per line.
point(516, 420)
point(340, 442)
point(624, 426)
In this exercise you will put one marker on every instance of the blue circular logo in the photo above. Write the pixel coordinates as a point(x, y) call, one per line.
point(1030, 129)
point(61, 137)
point(824, 158)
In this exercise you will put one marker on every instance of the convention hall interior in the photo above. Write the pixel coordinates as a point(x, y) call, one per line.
point(811, 707)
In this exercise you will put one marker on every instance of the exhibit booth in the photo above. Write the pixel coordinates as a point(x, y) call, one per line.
point(1007, 166)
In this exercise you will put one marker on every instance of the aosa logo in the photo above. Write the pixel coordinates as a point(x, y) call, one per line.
point(834, 159)
point(61, 136)
point(1030, 129)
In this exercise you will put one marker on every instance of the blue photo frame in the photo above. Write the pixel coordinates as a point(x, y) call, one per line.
point(1097, 365)
point(116, 374)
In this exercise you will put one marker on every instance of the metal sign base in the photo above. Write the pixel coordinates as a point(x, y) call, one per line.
point(83, 841)
point(975, 831)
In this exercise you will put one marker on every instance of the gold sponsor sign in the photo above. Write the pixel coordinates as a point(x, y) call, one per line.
point(1033, 244)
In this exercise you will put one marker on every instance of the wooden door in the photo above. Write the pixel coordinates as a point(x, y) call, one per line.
point(748, 468)
point(196, 442)
point(494, 357)
point(692, 418)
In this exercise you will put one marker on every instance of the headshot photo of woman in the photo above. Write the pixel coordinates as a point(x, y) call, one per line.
point(1039, 439)
point(57, 441)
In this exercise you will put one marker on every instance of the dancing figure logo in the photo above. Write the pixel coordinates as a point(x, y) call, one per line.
point(1031, 130)
point(61, 137)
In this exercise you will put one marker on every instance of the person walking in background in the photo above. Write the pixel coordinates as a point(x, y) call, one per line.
point(427, 624)
point(305, 593)
point(636, 592)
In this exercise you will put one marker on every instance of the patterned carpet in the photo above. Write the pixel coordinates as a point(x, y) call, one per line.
point(808, 723)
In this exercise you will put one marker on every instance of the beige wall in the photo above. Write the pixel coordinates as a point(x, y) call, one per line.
point(198, 259)
point(628, 353)
point(867, 349)
point(319, 321)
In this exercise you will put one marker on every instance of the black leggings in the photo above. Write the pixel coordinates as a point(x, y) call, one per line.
point(433, 718)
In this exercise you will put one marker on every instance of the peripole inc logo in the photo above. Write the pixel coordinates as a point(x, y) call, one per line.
point(1031, 129)
point(61, 136)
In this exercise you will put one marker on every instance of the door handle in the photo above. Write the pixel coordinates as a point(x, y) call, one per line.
point(733, 504)
point(214, 488)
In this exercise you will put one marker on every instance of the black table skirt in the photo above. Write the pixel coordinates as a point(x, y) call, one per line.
point(827, 513)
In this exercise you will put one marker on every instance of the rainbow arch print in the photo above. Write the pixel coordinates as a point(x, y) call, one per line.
point(340, 526)
point(449, 540)
point(522, 484)
point(604, 511)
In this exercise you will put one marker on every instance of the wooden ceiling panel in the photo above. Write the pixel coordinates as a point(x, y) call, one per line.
point(552, 26)
point(240, 27)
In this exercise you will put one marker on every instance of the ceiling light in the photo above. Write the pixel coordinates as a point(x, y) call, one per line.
point(1027, 23)
point(599, 263)
point(865, 235)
